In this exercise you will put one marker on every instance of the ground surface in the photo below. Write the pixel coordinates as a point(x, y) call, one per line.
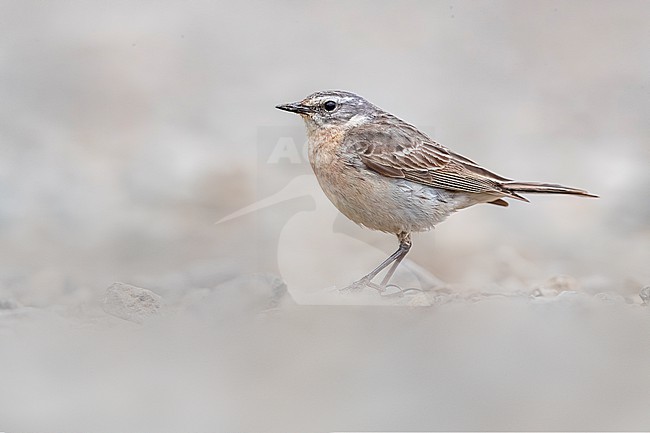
point(471, 361)
point(127, 129)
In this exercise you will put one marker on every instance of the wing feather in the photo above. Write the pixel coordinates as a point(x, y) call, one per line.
point(394, 148)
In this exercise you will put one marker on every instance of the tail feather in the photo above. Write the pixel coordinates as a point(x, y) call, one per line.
point(543, 188)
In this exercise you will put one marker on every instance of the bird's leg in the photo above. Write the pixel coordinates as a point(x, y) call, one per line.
point(404, 240)
point(395, 258)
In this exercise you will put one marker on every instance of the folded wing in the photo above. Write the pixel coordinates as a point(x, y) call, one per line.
point(397, 149)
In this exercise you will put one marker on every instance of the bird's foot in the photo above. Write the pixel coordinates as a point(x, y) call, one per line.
point(387, 291)
point(361, 284)
point(395, 291)
point(392, 291)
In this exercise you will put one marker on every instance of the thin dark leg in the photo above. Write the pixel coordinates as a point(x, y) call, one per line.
point(392, 269)
point(404, 239)
point(395, 258)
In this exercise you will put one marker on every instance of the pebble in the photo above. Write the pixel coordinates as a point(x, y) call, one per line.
point(645, 295)
point(131, 303)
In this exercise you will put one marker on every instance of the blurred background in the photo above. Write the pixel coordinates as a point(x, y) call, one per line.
point(128, 129)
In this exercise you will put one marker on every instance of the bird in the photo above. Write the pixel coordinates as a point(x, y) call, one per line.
point(385, 174)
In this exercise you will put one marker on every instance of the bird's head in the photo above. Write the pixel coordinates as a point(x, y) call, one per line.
point(332, 108)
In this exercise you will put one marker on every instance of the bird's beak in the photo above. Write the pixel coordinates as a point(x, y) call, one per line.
point(294, 107)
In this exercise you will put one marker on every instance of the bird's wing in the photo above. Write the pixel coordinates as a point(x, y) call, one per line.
point(397, 149)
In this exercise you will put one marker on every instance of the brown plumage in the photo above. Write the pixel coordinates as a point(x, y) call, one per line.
point(396, 149)
point(383, 173)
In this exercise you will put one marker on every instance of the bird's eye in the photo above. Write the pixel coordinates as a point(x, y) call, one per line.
point(329, 105)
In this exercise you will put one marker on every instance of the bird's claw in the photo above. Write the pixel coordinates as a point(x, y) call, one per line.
point(361, 284)
point(399, 292)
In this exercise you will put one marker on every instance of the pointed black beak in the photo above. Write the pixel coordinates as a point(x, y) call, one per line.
point(294, 107)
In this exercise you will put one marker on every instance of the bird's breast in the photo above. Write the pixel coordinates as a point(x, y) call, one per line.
point(370, 199)
point(324, 148)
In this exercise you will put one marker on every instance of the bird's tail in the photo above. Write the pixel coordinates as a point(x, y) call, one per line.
point(543, 188)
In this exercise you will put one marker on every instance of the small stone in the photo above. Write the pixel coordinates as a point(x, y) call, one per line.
point(645, 295)
point(131, 303)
